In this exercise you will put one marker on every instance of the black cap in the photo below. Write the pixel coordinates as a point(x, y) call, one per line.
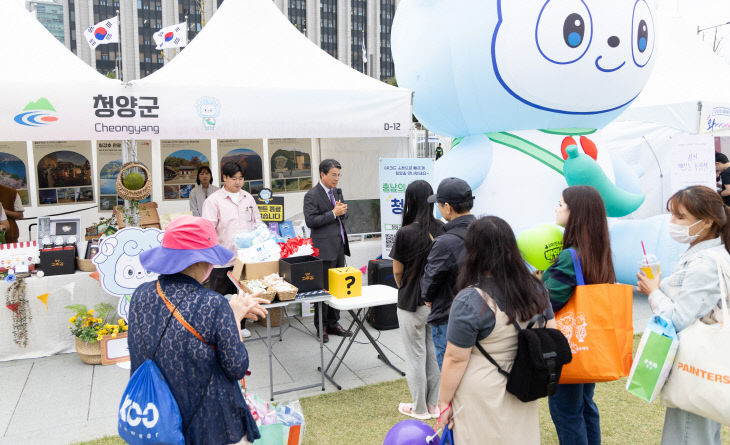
point(452, 191)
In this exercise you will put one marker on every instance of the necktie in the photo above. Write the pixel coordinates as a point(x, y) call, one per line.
point(342, 231)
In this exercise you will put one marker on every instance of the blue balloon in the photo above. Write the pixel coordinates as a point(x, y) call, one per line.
point(410, 432)
point(512, 65)
point(626, 238)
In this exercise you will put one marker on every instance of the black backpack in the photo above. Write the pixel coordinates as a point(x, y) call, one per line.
point(541, 354)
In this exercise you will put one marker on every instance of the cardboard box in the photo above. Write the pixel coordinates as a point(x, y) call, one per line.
point(58, 262)
point(306, 273)
point(254, 271)
point(345, 282)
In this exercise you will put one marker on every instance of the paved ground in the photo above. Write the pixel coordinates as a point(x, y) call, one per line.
point(60, 400)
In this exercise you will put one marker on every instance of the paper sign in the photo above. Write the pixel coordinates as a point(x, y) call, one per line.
point(114, 350)
point(692, 162)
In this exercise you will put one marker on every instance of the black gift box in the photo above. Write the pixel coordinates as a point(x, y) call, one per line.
point(58, 262)
point(306, 273)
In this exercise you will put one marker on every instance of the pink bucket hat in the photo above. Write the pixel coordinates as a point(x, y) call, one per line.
point(187, 240)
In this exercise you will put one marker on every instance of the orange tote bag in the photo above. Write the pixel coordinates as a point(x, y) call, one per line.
point(598, 323)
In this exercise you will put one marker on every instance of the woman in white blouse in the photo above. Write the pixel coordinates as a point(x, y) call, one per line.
point(692, 292)
point(200, 192)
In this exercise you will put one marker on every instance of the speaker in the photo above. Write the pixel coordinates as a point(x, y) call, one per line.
point(383, 317)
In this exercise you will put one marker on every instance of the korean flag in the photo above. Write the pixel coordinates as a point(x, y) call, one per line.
point(106, 31)
point(173, 36)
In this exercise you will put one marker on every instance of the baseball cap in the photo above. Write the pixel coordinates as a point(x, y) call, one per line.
point(452, 191)
point(187, 240)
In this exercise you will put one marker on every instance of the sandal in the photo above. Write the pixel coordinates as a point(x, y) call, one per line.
point(407, 410)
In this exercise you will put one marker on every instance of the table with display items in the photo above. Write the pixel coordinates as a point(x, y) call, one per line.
point(373, 295)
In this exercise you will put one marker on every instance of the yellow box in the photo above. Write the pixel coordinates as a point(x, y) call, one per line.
point(345, 282)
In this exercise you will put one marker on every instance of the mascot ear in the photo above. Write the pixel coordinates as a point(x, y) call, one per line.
point(107, 248)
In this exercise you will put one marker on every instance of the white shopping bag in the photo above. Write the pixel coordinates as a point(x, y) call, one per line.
point(700, 378)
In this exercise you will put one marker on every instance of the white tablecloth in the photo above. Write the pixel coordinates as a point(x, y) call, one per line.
point(48, 330)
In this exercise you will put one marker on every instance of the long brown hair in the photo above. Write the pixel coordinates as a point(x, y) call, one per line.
point(705, 204)
point(587, 231)
point(491, 250)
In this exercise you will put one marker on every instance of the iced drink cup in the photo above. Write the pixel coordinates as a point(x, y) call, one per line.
point(652, 269)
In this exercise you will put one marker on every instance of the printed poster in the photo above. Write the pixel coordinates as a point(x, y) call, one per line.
point(14, 168)
point(64, 172)
point(395, 176)
point(109, 163)
point(291, 165)
point(249, 153)
point(692, 162)
point(180, 162)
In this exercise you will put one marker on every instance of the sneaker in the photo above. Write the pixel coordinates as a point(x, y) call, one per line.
point(245, 333)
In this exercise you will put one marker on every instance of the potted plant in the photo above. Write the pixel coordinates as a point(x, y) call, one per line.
point(89, 328)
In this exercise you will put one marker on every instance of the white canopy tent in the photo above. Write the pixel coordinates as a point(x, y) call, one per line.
point(248, 74)
point(262, 78)
point(688, 88)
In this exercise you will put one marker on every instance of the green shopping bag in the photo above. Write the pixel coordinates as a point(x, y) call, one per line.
point(654, 359)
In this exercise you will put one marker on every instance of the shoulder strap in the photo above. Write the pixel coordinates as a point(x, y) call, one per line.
point(723, 271)
point(578, 268)
point(480, 348)
point(179, 316)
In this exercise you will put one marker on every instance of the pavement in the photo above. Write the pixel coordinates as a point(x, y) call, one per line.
point(60, 400)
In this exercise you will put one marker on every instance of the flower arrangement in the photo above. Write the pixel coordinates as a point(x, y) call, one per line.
point(89, 327)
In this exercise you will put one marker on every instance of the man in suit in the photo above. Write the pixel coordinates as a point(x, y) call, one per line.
point(324, 212)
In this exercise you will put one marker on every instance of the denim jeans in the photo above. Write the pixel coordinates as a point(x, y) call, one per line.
point(575, 415)
point(438, 333)
point(684, 428)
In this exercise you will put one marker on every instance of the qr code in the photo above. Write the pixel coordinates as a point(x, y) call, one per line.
point(389, 241)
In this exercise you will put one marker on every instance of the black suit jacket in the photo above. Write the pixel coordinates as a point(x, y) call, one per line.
point(323, 224)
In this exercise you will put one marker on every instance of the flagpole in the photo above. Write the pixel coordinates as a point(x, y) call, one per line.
point(118, 59)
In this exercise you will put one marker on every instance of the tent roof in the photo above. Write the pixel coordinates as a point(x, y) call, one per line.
point(686, 72)
point(30, 53)
point(250, 43)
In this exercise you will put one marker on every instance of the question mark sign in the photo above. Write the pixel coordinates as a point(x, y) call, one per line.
point(350, 281)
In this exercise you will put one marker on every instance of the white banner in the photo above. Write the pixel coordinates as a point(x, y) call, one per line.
point(87, 112)
point(395, 175)
point(692, 162)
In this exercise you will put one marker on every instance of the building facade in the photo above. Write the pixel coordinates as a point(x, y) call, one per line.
point(356, 32)
point(50, 14)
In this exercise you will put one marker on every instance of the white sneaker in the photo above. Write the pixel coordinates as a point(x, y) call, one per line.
point(245, 333)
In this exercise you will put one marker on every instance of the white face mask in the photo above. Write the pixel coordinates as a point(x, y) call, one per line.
point(681, 234)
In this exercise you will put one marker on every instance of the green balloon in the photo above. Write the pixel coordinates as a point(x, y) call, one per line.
point(540, 245)
point(133, 181)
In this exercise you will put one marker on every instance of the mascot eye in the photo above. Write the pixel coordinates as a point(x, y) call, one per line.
point(574, 30)
point(129, 271)
point(564, 31)
point(642, 30)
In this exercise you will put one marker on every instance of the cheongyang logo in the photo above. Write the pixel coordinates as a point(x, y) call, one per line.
point(37, 114)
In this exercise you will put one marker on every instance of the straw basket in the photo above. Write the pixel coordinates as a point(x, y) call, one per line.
point(85, 265)
point(134, 195)
point(287, 295)
point(274, 316)
point(89, 353)
point(268, 295)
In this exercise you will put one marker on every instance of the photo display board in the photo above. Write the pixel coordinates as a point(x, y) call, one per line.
point(14, 168)
point(249, 153)
point(291, 165)
point(180, 162)
point(64, 172)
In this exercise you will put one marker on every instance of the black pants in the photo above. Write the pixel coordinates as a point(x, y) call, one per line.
point(330, 316)
point(220, 283)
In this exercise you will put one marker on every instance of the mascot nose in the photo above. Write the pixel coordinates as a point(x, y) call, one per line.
point(613, 41)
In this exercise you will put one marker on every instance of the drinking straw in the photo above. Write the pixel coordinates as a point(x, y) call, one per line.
point(645, 257)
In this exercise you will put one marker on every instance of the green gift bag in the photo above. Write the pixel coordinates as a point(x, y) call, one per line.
point(654, 359)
